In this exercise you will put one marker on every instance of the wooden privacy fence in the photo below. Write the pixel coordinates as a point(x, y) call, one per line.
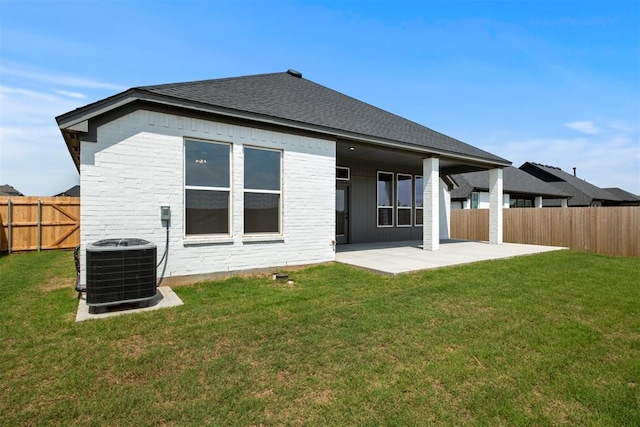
point(34, 223)
point(603, 230)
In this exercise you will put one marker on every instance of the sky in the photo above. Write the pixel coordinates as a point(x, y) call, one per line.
point(552, 82)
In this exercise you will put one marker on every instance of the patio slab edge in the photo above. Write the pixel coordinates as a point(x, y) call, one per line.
point(395, 260)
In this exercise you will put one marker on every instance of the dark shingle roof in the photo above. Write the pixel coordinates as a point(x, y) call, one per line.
point(515, 181)
point(298, 100)
point(72, 192)
point(7, 190)
point(582, 193)
point(623, 195)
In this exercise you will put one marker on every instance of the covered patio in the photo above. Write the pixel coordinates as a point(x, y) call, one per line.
point(408, 256)
point(403, 192)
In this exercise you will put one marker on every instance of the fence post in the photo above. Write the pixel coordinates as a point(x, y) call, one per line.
point(39, 230)
point(9, 229)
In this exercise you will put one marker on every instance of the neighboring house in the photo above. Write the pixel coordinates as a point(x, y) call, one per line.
point(625, 198)
point(262, 171)
point(521, 190)
point(581, 192)
point(72, 192)
point(7, 190)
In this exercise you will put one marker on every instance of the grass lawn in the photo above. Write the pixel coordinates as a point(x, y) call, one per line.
point(550, 339)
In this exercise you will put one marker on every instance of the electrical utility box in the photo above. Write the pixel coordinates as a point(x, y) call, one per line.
point(165, 213)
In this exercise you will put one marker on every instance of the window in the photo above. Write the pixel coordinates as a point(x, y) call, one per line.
point(419, 191)
point(207, 170)
point(262, 190)
point(521, 203)
point(474, 200)
point(343, 173)
point(405, 200)
point(385, 199)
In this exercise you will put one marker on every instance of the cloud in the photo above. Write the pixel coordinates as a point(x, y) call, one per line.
point(608, 158)
point(70, 94)
point(5, 90)
point(33, 156)
point(25, 107)
point(52, 77)
point(586, 127)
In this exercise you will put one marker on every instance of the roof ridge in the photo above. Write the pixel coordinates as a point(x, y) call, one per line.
point(195, 82)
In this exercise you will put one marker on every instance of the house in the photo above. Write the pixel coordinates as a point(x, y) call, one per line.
point(7, 190)
point(581, 192)
point(520, 190)
point(71, 192)
point(262, 171)
point(625, 198)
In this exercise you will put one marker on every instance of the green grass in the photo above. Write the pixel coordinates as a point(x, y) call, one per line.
point(551, 339)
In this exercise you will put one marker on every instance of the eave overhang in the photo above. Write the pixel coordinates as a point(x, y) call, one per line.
point(78, 122)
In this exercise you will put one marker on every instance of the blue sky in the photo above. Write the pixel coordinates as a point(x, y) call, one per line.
point(553, 82)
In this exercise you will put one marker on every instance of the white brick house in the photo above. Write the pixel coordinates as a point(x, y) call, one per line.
point(248, 168)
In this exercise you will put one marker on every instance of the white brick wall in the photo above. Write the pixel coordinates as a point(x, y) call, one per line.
point(137, 166)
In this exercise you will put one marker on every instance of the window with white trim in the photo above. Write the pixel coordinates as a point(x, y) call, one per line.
point(404, 190)
point(207, 170)
point(262, 191)
point(385, 199)
point(419, 192)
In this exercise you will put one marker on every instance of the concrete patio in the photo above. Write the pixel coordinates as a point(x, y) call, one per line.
point(405, 257)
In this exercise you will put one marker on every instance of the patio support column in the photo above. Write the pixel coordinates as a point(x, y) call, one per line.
point(495, 206)
point(431, 212)
point(538, 201)
point(564, 203)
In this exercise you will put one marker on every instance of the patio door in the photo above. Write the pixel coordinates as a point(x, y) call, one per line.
point(342, 214)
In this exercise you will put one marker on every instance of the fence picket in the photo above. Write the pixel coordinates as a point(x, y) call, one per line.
point(604, 230)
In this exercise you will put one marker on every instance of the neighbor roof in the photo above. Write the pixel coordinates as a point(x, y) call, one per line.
point(71, 192)
point(290, 100)
point(515, 181)
point(582, 193)
point(7, 190)
point(623, 195)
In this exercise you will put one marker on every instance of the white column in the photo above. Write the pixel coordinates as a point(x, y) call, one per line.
point(538, 202)
point(495, 206)
point(564, 203)
point(431, 226)
point(445, 211)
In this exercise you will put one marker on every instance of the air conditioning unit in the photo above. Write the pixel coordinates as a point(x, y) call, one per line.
point(120, 271)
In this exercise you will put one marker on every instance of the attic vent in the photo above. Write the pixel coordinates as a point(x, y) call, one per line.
point(294, 73)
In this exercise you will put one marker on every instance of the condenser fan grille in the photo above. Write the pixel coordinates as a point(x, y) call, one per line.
point(120, 270)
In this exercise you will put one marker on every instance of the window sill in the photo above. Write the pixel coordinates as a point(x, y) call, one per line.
point(271, 238)
point(200, 241)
